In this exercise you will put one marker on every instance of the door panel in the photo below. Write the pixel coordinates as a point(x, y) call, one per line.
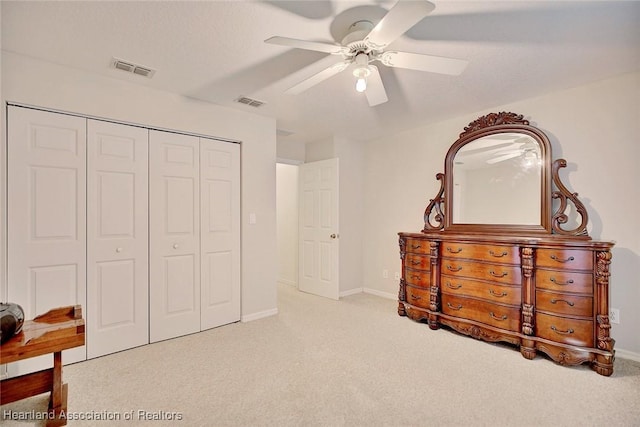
point(318, 219)
point(174, 243)
point(46, 213)
point(220, 232)
point(117, 236)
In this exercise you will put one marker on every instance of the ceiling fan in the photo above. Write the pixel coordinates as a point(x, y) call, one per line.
point(366, 43)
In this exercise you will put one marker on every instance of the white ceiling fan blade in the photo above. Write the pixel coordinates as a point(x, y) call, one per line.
point(305, 44)
point(419, 62)
point(401, 17)
point(317, 78)
point(375, 88)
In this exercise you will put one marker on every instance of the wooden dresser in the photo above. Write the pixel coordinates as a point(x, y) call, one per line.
point(535, 285)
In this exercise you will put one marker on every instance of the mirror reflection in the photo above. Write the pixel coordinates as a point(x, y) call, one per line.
point(497, 180)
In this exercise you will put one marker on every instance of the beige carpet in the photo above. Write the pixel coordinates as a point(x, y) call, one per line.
point(327, 363)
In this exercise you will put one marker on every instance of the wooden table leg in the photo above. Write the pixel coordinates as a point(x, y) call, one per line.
point(58, 399)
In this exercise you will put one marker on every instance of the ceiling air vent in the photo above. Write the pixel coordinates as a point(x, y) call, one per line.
point(130, 67)
point(250, 102)
point(282, 132)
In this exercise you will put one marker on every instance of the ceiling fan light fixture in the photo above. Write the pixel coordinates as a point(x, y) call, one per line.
point(361, 71)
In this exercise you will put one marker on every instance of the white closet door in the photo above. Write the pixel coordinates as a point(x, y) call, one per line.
point(46, 218)
point(117, 237)
point(174, 235)
point(220, 232)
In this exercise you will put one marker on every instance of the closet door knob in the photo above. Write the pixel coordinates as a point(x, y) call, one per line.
point(118, 250)
point(175, 246)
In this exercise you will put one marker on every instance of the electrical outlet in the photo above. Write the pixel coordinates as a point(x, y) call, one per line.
point(385, 274)
point(397, 275)
point(614, 315)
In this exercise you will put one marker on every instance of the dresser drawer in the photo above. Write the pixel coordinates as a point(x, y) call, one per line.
point(564, 281)
point(500, 316)
point(564, 304)
point(489, 291)
point(484, 271)
point(417, 296)
point(565, 259)
point(491, 253)
point(565, 330)
point(417, 246)
point(417, 261)
point(420, 278)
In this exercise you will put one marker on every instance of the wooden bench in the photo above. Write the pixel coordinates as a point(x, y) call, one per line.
point(58, 329)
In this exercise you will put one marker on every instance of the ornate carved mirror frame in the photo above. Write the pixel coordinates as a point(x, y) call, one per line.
point(439, 212)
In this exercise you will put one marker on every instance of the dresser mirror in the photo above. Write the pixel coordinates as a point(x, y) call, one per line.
point(504, 168)
point(498, 179)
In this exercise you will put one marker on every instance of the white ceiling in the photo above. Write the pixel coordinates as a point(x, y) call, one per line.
point(215, 51)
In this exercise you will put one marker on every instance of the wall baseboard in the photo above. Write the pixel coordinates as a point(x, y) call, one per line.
point(288, 282)
point(380, 293)
point(630, 355)
point(259, 315)
point(350, 292)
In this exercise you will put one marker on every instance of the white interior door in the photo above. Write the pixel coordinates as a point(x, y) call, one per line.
point(174, 230)
point(117, 238)
point(318, 222)
point(46, 218)
point(219, 232)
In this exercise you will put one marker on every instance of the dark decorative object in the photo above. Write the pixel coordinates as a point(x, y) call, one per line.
point(11, 320)
point(516, 274)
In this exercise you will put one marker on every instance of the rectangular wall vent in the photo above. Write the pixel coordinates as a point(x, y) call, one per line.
point(250, 102)
point(130, 67)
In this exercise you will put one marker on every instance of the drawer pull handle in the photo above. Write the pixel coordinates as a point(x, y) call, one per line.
point(499, 295)
point(415, 246)
point(493, 254)
point(450, 286)
point(453, 268)
point(454, 308)
point(414, 262)
point(558, 331)
point(501, 318)
point(457, 251)
point(415, 276)
point(555, 258)
point(569, 303)
point(494, 274)
point(416, 297)
point(557, 282)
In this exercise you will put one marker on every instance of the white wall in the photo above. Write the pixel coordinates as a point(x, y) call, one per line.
point(29, 81)
point(290, 151)
point(287, 223)
point(351, 155)
point(595, 127)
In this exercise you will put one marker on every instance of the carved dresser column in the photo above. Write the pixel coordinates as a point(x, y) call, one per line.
point(434, 290)
point(402, 293)
point(527, 348)
point(603, 363)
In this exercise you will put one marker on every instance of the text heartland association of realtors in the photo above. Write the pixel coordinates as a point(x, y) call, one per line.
point(138, 415)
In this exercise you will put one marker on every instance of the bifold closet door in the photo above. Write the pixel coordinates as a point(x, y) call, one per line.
point(46, 216)
point(117, 237)
point(174, 235)
point(219, 232)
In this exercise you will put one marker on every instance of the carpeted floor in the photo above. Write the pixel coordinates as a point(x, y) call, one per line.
point(333, 363)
